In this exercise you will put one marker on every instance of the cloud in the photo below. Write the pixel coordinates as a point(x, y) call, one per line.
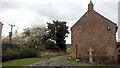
point(25, 13)
point(22, 18)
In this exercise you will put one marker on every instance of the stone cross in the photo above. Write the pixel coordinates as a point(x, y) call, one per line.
point(90, 50)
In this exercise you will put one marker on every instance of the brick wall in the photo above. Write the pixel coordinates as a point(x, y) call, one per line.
point(1, 25)
point(94, 30)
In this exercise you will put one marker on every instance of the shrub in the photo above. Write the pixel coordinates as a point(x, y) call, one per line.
point(50, 45)
point(8, 54)
point(22, 52)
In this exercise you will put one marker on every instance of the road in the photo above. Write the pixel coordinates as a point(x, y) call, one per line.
point(56, 61)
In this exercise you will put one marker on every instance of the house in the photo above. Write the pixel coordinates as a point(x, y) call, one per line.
point(1, 25)
point(94, 31)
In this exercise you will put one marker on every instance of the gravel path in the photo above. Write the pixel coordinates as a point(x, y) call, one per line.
point(56, 61)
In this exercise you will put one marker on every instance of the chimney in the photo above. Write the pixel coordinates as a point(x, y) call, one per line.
point(90, 6)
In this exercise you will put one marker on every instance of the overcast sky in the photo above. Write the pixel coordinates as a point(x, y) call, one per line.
point(26, 13)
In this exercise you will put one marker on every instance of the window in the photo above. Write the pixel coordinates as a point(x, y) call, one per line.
point(108, 27)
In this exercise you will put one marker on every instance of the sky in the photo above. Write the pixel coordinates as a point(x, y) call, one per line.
point(26, 13)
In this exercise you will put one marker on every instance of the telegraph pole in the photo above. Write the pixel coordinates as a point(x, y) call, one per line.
point(10, 33)
point(55, 34)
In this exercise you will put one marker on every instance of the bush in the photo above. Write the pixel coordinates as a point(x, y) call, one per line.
point(8, 54)
point(52, 53)
point(50, 45)
point(26, 52)
point(22, 52)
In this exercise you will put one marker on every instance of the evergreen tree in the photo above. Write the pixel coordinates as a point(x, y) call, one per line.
point(58, 31)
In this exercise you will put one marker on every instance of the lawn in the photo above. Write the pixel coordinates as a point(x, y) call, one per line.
point(24, 61)
point(0, 64)
point(68, 50)
point(28, 61)
point(73, 62)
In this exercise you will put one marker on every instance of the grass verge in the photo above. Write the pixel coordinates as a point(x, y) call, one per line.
point(68, 50)
point(73, 62)
point(24, 61)
point(28, 61)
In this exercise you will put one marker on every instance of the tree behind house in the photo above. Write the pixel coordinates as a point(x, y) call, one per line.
point(58, 31)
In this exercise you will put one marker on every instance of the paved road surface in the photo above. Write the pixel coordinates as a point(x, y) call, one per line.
point(56, 61)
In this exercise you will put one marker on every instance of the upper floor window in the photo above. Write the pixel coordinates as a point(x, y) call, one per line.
point(108, 27)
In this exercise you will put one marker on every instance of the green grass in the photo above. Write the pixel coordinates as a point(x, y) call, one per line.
point(24, 61)
point(28, 61)
point(73, 62)
point(68, 50)
point(0, 64)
